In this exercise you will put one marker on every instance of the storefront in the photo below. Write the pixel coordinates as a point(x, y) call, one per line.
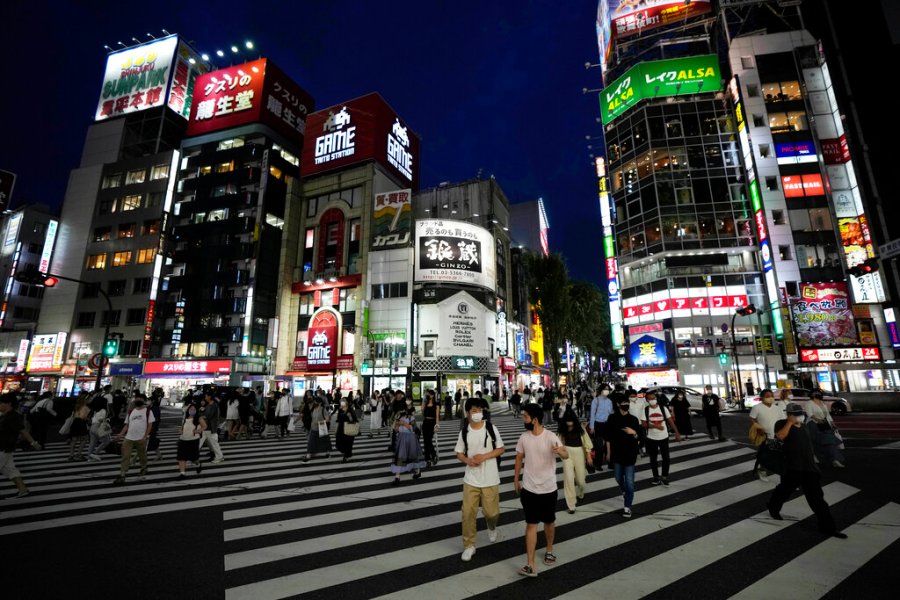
point(177, 377)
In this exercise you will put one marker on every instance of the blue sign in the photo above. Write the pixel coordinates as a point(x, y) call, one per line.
point(793, 149)
point(822, 376)
point(649, 350)
point(133, 369)
point(520, 346)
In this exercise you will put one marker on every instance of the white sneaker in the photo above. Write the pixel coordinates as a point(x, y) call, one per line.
point(94, 457)
point(492, 535)
point(468, 553)
point(626, 512)
point(218, 460)
point(762, 475)
point(837, 464)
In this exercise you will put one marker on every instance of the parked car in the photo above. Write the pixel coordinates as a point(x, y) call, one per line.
point(836, 405)
point(692, 395)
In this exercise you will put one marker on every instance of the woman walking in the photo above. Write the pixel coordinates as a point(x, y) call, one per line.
point(823, 432)
point(192, 427)
point(319, 435)
point(283, 410)
point(431, 422)
point(346, 420)
point(376, 407)
point(408, 455)
point(78, 432)
point(579, 445)
point(682, 411)
point(101, 431)
point(232, 417)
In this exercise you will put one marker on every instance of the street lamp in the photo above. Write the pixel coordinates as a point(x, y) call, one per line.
point(744, 312)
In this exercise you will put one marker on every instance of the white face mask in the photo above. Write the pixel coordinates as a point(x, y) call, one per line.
point(800, 419)
point(604, 393)
point(653, 402)
point(477, 417)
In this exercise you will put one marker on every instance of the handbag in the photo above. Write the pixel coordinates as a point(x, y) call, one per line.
point(67, 425)
point(104, 429)
point(323, 428)
point(351, 429)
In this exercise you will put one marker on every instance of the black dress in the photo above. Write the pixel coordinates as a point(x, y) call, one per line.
point(682, 410)
point(429, 420)
point(343, 442)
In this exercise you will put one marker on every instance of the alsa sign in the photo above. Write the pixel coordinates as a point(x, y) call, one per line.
point(254, 92)
point(363, 129)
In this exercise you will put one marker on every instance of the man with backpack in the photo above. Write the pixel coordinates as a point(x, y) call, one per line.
point(657, 437)
point(479, 448)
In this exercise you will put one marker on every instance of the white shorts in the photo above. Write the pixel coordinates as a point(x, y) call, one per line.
point(8, 467)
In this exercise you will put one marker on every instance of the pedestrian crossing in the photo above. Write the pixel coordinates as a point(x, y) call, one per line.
point(294, 530)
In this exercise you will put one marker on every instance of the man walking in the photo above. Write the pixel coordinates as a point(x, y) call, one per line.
point(654, 423)
point(537, 448)
point(210, 436)
point(12, 425)
point(800, 470)
point(41, 417)
point(601, 408)
point(135, 434)
point(710, 403)
point(622, 442)
point(765, 415)
point(478, 449)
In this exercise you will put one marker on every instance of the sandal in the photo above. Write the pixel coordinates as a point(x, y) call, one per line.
point(549, 558)
point(527, 571)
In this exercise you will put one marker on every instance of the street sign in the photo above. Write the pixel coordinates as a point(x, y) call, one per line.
point(97, 361)
point(890, 249)
point(724, 327)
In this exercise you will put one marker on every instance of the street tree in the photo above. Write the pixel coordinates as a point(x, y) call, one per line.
point(548, 292)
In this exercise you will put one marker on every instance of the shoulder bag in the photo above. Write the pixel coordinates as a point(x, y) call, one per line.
point(67, 425)
point(351, 429)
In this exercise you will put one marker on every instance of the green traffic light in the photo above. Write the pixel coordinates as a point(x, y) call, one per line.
point(111, 347)
point(723, 358)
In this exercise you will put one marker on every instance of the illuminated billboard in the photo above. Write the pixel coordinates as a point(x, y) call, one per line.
point(631, 17)
point(649, 346)
point(658, 79)
point(353, 132)
point(253, 92)
point(136, 78)
point(454, 252)
point(391, 220)
point(823, 316)
point(799, 186)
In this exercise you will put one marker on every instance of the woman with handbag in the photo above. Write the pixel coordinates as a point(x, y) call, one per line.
point(408, 455)
point(579, 445)
point(78, 430)
point(100, 432)
point(347, 429)
point(320, 422)
point(824, 434)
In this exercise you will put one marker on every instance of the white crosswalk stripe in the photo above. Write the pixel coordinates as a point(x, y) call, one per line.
point(294, 530)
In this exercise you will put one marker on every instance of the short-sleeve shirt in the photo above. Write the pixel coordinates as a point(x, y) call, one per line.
point(636, 408)
point(798, 449)
point(487, 474)
point(622, 446)
point(539, 475)
point(768, 416)
point(138, 420)
point(655, 416)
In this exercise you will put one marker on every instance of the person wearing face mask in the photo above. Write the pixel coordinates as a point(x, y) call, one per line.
point(654, 423)
point(478, 449)
point(135, 433)
point(623, 434)
point(408, 455)
point(578, 445)
point(765, 415)
point(636, 406)
point(192, 427)
point(343, 442)
point(431, 422)
point(822, 431)
point(681, 409)
point(800, 471)
point(710, 403)
point(601, 408)
point(537, 450)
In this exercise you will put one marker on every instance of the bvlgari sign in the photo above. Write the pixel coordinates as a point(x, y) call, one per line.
point(454, 252)
point(462, 327)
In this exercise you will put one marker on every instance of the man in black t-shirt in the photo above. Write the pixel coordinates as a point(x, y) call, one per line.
point(710, 403)
point(12, 425)
point(623, 432)
point(800, 470)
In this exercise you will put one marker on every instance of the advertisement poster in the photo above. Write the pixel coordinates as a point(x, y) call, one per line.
point(649, 346)
point(822, 316)
point(321, 347)
point(136, 78)
point(633, 17)
point(454, 252)
point(392, 220)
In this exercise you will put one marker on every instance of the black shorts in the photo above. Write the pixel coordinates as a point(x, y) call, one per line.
point(539, 508)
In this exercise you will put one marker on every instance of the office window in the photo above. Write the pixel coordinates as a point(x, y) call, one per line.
point(225, 167)
point(129, 347)
point(429, 348)
point(135, 316)
point(81, 349)
point(141, 285)
point(102, 234)
point(91, 290)
point(146, 255)
point(151, 227)
point(86, 319)
point(116, 287)
point(752, 90)
point(747, 62)
point(759, 121)
point(130, 202)
point(154, 199)
point(159, 172)
point(311, 204)
point(96, 261)
point(771, 184)
point(784, 252)
point(126, 230)
point(390, 290)
point(111, 318)
point(205, 170)
point(106, 207)
point(778, 217)
point(121, 259)
point(111, 181)
point(135, 177)
point(765, 150)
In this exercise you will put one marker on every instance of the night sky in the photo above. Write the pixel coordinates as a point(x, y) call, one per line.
point(494, 87)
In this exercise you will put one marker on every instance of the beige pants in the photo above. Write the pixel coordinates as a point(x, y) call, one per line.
point(574, 476)
point(141, 447)
point(489, 500)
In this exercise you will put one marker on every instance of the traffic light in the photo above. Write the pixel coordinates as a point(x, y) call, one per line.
point(34, 277)
point(864, 268)
point(747, 310)
point(110, 347)
point(723, 358)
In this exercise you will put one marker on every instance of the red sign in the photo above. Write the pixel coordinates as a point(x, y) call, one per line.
point(187, 367)
point(366, 128)
point(148, 329)
point(649, 328)
point(321, 346)
point(299, 364)
point(611, 268)
point(798, 186)
point(254, 92)
point(633, 18)
point(507, 364)
point(839, 354)
point(701, 303)
point(761, 225)
point(345, 362)
point(835, 151)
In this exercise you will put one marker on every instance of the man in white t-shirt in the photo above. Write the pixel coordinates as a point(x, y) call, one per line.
point(765, 415)
point(654, 421)
point(479, 450)
point(537, 449)
point(135, 434)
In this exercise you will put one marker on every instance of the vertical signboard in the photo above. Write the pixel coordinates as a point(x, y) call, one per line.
point(188, 65)
point(607, 214)
point(392, 220)
point(136, 78)
point(321, 346)
point(49, 241)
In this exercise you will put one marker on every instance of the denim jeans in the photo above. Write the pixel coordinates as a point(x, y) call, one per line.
point(625, 478)
point(98, 444)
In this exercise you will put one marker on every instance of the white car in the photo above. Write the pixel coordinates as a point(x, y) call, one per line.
point(693, 396)
point(836, 406)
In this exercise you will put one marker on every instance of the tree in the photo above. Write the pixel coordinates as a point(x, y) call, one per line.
point(548, 292)
point(590, 322)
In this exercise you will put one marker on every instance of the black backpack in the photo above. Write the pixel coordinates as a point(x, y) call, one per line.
point(490, 430)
